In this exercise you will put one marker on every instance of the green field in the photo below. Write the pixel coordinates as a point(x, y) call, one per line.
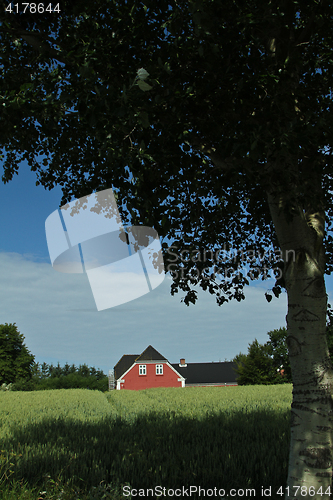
point(81, 444)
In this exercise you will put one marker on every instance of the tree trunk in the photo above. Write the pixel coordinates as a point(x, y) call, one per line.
point(300, 235)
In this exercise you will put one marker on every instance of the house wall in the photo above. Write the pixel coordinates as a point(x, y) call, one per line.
point(134, 381)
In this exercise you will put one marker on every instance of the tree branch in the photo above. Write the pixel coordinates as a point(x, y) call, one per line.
point(36, 40)
point(219, 162)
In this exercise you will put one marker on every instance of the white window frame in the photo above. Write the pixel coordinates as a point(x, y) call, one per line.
point(159, 369)
point(142, 370)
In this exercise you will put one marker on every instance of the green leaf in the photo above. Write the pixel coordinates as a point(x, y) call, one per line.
point(142, 74)
point(144, 85)
point(143, 118)
point(26, 86)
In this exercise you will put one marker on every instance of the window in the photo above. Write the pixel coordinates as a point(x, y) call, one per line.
point(142, 369)
point(159, 369)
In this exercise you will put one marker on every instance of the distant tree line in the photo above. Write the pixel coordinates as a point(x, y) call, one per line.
point(269, 363)
point(19, 370)
point(44, 376)
point(43, 371)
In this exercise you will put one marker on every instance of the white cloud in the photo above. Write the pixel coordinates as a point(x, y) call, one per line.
point(57, 315)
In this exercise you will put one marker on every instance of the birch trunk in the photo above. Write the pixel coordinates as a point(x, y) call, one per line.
point(310, 460)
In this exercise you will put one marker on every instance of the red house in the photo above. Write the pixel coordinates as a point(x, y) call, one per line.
point(146, 370)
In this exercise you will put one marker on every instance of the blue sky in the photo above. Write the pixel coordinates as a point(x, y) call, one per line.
point(57, 314)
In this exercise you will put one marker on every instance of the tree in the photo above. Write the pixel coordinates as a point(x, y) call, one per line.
point(264, 362)
point(56, 371)
point(256, 367)
point(66, 369)
point(84, 370)
point(279, 351)
point(44, 370)
point(223, 147)
point(16, 362)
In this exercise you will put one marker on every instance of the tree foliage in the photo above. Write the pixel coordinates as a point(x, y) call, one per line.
point(277, 345)
point(263, 362)
point(233, 108)
point(257, 367)
point(45, 377)
point(269, 363)
point(16, 361)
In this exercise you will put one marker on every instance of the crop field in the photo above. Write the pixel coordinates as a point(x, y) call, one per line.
point(81, 444)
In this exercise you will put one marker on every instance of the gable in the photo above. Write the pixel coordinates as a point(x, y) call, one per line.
point(127, 360)
point(150, 354)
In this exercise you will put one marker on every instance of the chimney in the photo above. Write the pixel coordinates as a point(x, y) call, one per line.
point(182, 361)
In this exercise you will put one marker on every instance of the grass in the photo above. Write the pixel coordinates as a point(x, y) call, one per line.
point(81, 444)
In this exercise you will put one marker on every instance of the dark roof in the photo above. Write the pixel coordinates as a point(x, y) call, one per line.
point(124, 364)
point(207, 373)
point(150, 354)
point(194, 373)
